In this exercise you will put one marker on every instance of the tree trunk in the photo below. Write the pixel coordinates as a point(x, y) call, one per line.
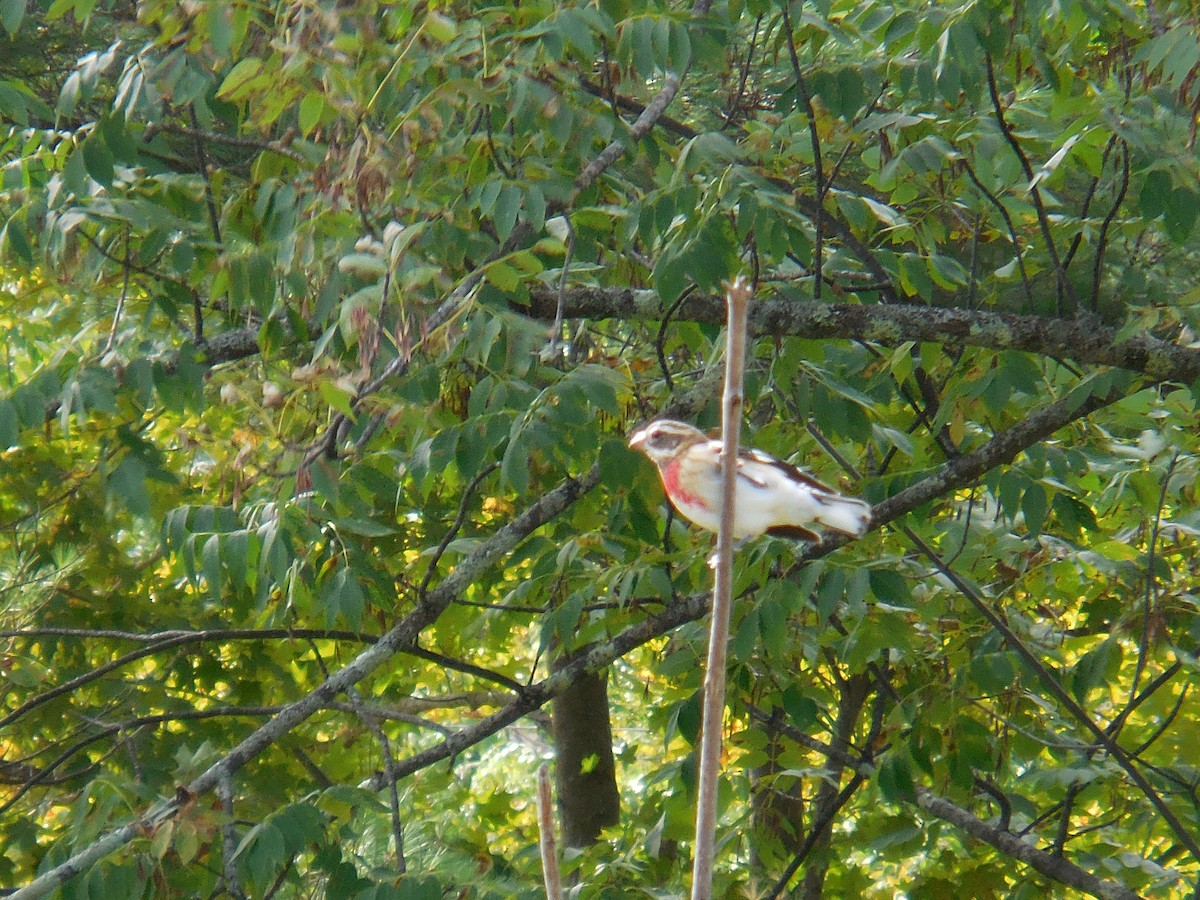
point(586, 775)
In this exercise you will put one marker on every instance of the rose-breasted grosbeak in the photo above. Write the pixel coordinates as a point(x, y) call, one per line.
point(773, 497)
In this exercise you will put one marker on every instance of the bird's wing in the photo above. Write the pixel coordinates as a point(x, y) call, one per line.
point(749, 459)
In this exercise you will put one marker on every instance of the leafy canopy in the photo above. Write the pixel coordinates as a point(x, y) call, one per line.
point(325, 324)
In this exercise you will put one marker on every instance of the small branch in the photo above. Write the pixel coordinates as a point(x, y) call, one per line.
point(459, 519)
point(641, 126)
point(736, 102)
point(202, 163)
point(819, 830)
point(229, 840)
point(661, 338)
point(121, 298)
point(1151, 578)
point(1102, 240)
point(1064, 286)
point(232, 140)
point(1056, 867)
point(556, 328)
point(1012, 231)
point(1077, 242)
point(738, 297)
point(546, 841)
point(815, 141)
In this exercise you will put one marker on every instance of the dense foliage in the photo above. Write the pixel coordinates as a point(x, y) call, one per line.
point(325, 326)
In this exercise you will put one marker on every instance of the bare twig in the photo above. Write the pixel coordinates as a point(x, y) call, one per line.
point(546, 840)
point(202, 163)
point(459, 519)
point(738, 298)
point(556, 328)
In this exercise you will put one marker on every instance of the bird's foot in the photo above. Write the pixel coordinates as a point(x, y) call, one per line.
point(737, 545)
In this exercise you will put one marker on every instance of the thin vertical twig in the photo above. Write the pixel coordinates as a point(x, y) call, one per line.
point(1102, 239)
point(202, 163)
point(815, 140)
point(375, 724)
point(1151, 579)
point(737, 298)
point(1012, 231)
point(1065, 291)
point(556, 329)
point(546, 841)
point(124, 295)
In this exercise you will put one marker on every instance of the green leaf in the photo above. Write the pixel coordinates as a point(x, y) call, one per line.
point(889, 586)
point(343, 597)
point(127, 482)
point(311, 108)
point(1155, 194)
point(574, 28)
point(10, 425)
point(993, 672)
point(239, 75)
point(1180, 214)
point(741, 647)
point(895, 778)
point(440, 27)
point(514, 467)
point(801, 709)
point(830, 592)
point(301, 825)
point(1095, 667)
point(97, 159)
point(16, 239)
point(1034, 504)
point(220, 30)
point(266, 855)
point(365, 527)
point(508, 204)
point(11, 14)
point(503, 276)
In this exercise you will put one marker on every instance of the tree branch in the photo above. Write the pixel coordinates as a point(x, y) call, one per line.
point(894, 324)
point(1054, 867)
point(1057, 868)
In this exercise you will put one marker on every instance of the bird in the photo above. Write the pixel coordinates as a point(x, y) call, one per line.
point(773, 497)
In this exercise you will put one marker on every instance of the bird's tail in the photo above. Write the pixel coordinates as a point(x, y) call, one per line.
point(848, 515)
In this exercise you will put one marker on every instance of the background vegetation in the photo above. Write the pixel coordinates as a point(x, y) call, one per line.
point(325, 325)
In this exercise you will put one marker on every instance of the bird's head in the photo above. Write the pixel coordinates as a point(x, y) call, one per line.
point(663, 439)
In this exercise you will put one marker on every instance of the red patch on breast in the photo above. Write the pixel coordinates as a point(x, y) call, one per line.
point(679, 495)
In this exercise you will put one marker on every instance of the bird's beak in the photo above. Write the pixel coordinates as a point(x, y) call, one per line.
point(637, 439)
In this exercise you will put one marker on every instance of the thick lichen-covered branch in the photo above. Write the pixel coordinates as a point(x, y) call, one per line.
point(1082, 340)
